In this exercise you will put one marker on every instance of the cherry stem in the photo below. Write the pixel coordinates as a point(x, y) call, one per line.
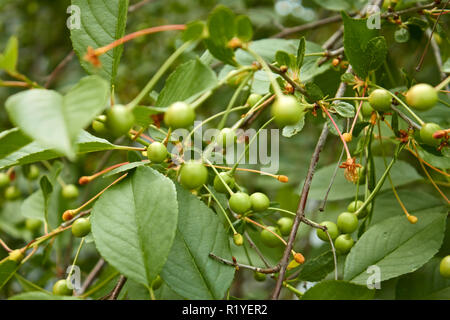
point(236, 94)
point(358, 110)
point(86, 179)
point(131, 36)
point(400, 202)
point(442, 85)
point(207, 94)
point(267, 229)
point(429, 177)
point(275, 85)
point(338, 131)
point(281, 178)
point(247, 147)
point(154, 80)
point(75, 211)
point(5, 246)
point(379, 183)
point(75, 260)
point(221, 209)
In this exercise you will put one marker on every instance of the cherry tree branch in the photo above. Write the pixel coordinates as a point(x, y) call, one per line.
point(300, 214)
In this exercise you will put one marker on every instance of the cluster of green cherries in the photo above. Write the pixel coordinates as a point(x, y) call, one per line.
point(340, 232)
point(421, 97)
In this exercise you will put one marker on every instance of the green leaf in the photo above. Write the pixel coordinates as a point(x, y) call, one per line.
point(12, 140)
point(189, 270)
point(244, 29)
point(344, 109)
point(317, 268)
point(284, 59)
point(365, 50)
point(55, 121)
point(396, 246)
point(221, 28)
point(338, 290)
point(7, 270)
point(314, 92)
point(134, 224)
point(194, 31)
point(402, 173)
point(186, 83)
point(47, 189)
point(8, 60)
point(301, 52)
point(290, 131)
point(39, 295)
point(126, 167)
point(34, 152)
point(424, 284)
point(102, 22)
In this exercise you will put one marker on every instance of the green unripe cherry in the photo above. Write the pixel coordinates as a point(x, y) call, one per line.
point(179, 115)
point(347, 222)
point(354, 206)
point(157, 283)
point(193, 174)
point(366, 109)
point(259, 276)
point(422, 96)
point(70, 192)
point(253, 99)
point(99, 127)
point(157, 152)
point(238, 239)
point(12, 193)
point(285, 225)
point(444, 267)
point(220, 186)
point(81, 227)
point(120, 119)
point(380, 100)
point(61, 288)
point(269, 239)
point(426, 133)
point(240, 202)
point(343, 243)
point(4, 180)
point(226, 137)
point(33, 172)
point(260, 202)
point(332, 229)
point(287, 110)
point(33, 225)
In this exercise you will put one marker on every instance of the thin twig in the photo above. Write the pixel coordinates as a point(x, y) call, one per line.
point(116, 291)
point(406, 118)
point(92, 275)
point(422, 58)
point(336, 169)
point(307, 26)
point(58, 69)
point(245, 266)
point(258, 252)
